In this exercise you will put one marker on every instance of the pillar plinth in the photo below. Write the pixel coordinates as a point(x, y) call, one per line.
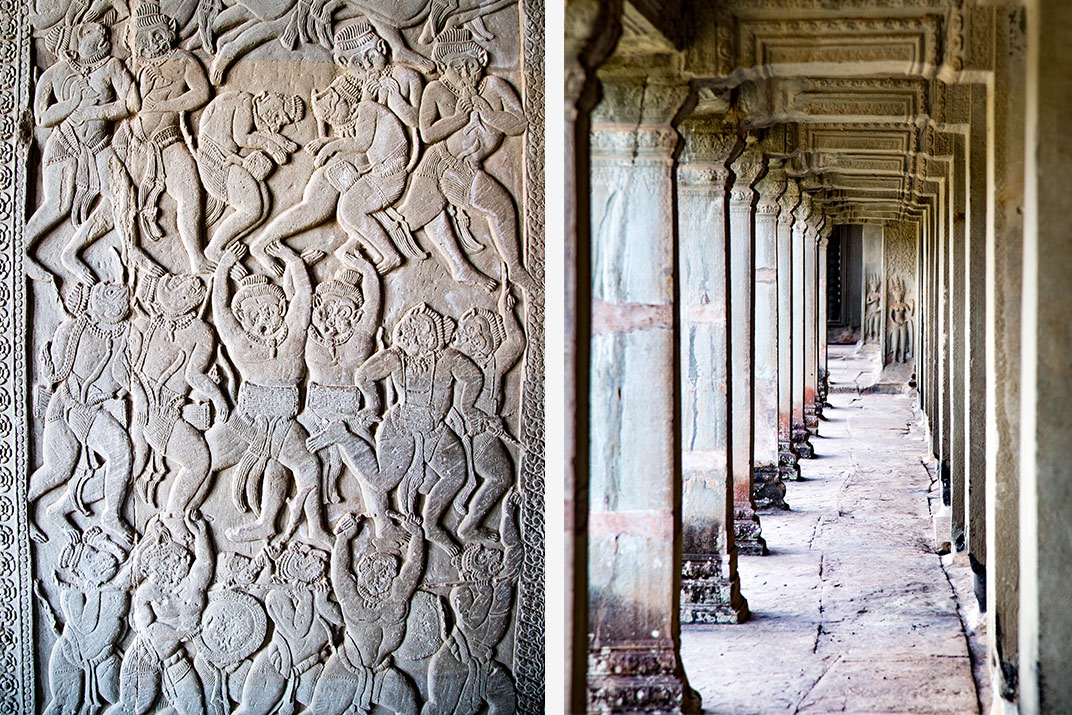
point(710, 586)
point(634, 535)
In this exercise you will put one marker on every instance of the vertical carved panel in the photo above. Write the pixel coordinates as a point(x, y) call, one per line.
point(279, 285)
point(900, 251)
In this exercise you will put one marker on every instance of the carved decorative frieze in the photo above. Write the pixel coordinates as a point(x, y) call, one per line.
point(284, 311)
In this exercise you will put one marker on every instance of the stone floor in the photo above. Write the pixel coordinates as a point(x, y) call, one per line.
point(853, 611)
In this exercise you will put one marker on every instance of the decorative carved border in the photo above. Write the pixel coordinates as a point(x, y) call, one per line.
point(530, 628)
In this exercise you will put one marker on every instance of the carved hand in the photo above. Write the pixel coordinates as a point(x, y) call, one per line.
point(346, 527)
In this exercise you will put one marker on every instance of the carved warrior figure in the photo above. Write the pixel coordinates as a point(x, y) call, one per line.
point(464, 673)
point(265, 338)
point(171, 573)
point(79, 97)
point(170, 81)
point(464, 117)
point(872, 311)
point(374, 599)
point(86, 367)
point(900, 322)
point(175, 356)
point(495, 342)
point(346, 311)
point(83, 669)
point(238, 144)
point(284, 673)
point(361, 171)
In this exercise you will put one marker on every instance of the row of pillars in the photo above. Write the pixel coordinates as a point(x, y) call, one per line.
point(705, 368)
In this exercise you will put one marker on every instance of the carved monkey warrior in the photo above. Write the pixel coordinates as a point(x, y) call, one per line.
point(175, 354)
point(238, 145)
point(84, 665)
point(374, 599)
point(362, 170)
point(266, 340)
point(170, 81)
point(79, 97)
point(86, 365)
point(172, 582)
point(284, 674)
point(463, 119)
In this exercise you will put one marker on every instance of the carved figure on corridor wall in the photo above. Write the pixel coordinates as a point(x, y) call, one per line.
point(84, 665)
point(900, 322)
point(171, 366)
point(464, 117)
point(418, 451)
point(87, 369)
point(298, 601)
point(171, 574)
point(872, 311)
point(264, 328)
point(374, 597)
point(170, 81)
point(495, 342)
point(464, 674)
point(361, 171)
point(79, 97)
point(239, 142)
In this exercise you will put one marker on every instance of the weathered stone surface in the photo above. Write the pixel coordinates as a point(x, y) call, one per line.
point(284, 314)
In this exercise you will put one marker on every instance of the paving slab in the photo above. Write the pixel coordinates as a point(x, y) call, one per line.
point(852, 610)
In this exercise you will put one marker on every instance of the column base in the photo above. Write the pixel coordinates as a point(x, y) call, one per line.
point(788, 462)
point(768, 490)
point(811, 420)
point(639, 678)
point(747, 532)
point(707, 596)
point(801, 442)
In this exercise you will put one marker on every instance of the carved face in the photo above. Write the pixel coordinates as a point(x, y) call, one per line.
point(474, 336)
point(261, 315)
point(416, 335)
point(300, 564)
point(376, 572)
point(480, 563)
point(96, 567)
point(331, 107)
point(270, 112)
point(334, 317)
point(109, 303)
point(92, 39)
point(168, 564)
point(464, 70)
point(154, 40)
point(177, 295)
point(373, 57)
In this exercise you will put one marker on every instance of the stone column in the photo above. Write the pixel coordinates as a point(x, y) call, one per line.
point(710, 586)
point(875, 287)
point(633, 528)
point(787, 456)
point(746, 169)
point(800, 434)
point(821, 377)
point(942, 342)
point(811, 320)
point(957, 209)
point(1046, 388)
point(768, 488)
point(592, 29)
point(1004, 282)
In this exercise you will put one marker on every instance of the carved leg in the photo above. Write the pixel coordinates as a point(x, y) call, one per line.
point(446, 678)
point(397, 693)
point(355, 215)
point(273, 496)
point(186, 688)
point(107, 437)
point(55, 205)
point(61, 455)
point(65, 680)
point(359, 458)
point(99, 223)
point(491, 199)
point(189, 448)
point(318, 205)
point(252, 35)
point(448, 465)
point(501, 695)
point(265, 684)
point(139, 680)
point(442, 236)
point(306, 469)
point(335, 691)
point(492, 464)
point(182, 183)
point(246, 200)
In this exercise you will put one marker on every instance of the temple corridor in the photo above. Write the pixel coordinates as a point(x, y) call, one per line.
point(851, 610)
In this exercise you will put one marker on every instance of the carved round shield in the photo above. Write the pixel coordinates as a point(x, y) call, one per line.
point(232, 628)
point(423, 630)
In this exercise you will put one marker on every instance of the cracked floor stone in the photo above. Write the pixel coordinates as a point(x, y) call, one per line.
point(852, 612)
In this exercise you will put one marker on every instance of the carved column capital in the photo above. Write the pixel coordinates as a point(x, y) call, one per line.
point(633, 121)
point(747, 168)
point(789, 201)
point(771, 187)
point(804, 209)
point(708, 146)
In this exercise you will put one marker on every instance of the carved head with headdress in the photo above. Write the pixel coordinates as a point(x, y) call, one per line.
point(478, 562)
point(358, 47)
point(90, 558)
point(260, 307)
point(109, 303)
point(480, 333)
point(301, 565)
point(178, 294)
point(160, 558)
point(83, 42)
point(152, 32)
point(458, 57)
point(422, 331)
point(272, 110)
point(337, 308)
point(376, 572)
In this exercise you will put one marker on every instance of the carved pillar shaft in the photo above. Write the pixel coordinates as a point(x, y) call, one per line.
point(710, 586)
point(811, 322)
point(787, 457)
point(958, 238)
point(821, 376)
point(747, 168)
point(633, 527)
point(768, 488)
point(801, 232)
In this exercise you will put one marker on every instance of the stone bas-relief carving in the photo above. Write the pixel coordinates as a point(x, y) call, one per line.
point(872, 311)
point(281, 306)
point(900, 322)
